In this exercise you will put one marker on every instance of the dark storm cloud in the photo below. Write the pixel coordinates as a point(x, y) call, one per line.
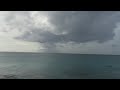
point(86, 26)
point(80, 26)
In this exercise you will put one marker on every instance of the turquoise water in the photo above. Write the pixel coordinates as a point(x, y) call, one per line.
point(58, 66)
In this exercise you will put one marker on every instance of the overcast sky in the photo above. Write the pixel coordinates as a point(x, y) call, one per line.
point(86, 32)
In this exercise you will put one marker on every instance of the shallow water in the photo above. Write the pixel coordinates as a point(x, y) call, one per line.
point(58, 66)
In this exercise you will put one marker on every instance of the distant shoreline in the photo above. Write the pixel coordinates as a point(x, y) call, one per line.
point(60, 53)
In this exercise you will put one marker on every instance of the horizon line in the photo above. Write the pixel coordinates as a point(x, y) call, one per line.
point(54, 53)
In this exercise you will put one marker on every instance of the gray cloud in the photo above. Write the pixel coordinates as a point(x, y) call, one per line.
point(80, 27)
point(76, 26)
point(86, 26)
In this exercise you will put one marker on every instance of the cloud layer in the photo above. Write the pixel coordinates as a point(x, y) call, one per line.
point(65, 26)
point(53, 27)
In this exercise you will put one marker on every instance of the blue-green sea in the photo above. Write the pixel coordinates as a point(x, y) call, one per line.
point(58, 66)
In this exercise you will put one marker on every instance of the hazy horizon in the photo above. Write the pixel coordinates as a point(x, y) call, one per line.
point(57, 53)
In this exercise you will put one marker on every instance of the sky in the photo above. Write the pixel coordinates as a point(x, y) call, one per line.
point(84, 32)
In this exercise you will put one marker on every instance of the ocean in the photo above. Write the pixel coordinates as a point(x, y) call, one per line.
point(58, 66)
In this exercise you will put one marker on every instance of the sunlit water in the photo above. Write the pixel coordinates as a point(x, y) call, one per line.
point(58, 66)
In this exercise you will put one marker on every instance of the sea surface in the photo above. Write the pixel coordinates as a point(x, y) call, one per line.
point(58, 66)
